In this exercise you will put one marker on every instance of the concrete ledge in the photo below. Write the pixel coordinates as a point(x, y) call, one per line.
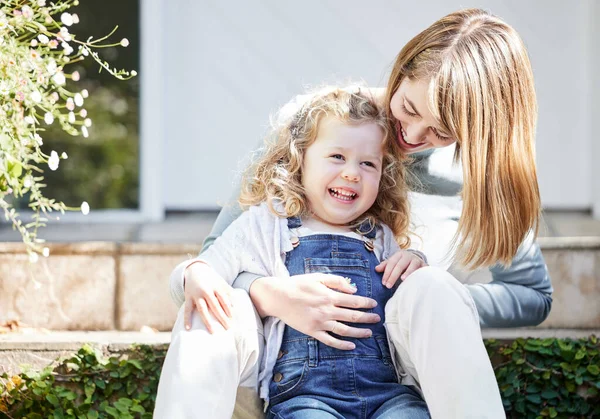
point(124, 286)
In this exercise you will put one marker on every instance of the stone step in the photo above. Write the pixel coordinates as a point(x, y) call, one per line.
point(124, 286)
point(40, 349)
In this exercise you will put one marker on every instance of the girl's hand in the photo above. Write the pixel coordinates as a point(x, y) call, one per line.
point(399, 266)
point(207, 292)
point(315, 304)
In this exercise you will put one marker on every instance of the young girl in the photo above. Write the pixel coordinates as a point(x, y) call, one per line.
point(327, 196)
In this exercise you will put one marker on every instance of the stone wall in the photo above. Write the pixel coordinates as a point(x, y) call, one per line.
point(109, 286)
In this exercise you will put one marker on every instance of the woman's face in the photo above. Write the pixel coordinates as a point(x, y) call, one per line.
point(417, 128)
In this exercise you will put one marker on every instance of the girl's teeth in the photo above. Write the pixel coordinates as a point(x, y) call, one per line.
point(341, 194)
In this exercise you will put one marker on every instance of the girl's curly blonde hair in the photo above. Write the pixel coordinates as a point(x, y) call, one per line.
point(276, 176)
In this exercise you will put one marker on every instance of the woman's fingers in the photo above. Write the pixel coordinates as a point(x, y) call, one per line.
point(413, 266)
point(354, 316)
point(342, 329)
point(225, 301)
point(353, 301)
point(338, 283)
point(203, 311)
point(329, 340)
point(381, 266)
point(395, 272)
point(215, 308)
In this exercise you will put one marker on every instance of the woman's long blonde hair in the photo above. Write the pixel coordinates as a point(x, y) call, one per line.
point(481, 89)
point(276, 176)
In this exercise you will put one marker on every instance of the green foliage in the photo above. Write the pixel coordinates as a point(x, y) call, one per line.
point(86, 385)
point(538, 378)
point(555, 378)
point(37, 52)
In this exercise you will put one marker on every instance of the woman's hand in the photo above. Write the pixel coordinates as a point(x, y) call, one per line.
point(207, 292)
point(399, 266)
point(315, 304)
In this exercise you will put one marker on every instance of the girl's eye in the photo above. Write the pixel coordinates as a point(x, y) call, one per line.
point(370, 164)
point(406, 111)
point(337, 156)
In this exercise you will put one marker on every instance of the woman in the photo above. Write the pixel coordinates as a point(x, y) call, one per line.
point(464, 81)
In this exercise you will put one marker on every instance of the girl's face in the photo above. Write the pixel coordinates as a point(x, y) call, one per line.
point(417, 128)
point(342, 169)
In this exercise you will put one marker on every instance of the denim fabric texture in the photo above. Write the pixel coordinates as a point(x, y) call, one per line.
point(313, 380)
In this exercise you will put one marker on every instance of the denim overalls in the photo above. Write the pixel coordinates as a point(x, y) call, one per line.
point(313, 380)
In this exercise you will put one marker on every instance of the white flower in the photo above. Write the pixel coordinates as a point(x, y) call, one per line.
point(48, 118)
point(29, 120)
point(71, 118)
point(36, 96)
point(75, 76)
point(38, 139)
point(75, 18)
point(53, 161)
point(68, 48)
point(85, 208)
point(54, 97)
point(4, 90)
point(70, 104)
point(34, 43)
point(124, 42)
point(83, 113)
point(87, 122)
point(64, 34)
point(43, 38)
point(27, 182)
point(85, 52)
point(133, 73)
point(66, 19)
point(85, 93)
point(27, 12)
point(46, 252)
point(85, 132)
point(33, 257)
point(64, 156)
point(78, 99)
point(59, 78)
point(41, 3)
point(51, 67)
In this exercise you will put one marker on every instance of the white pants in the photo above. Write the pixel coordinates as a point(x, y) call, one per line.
point(432, 324)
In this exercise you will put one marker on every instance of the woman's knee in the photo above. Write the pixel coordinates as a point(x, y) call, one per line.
point(426, 287)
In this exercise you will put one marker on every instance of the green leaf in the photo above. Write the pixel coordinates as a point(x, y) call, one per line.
point(138, 409)
point(112, 411)
point(52, 399)
point(100, 384)
point(534, 398)
point(553, 413)
point(593, 369)
point(580, 354)
point(92, 414)
point(549, 394)
point(136, 363)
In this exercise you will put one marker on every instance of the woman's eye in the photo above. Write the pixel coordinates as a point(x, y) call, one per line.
point(337, 156)
point(441, 137)
point(406, 111)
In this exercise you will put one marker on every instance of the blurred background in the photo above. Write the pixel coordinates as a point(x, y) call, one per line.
point(168, 145)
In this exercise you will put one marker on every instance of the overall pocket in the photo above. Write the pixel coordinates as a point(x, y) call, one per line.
point(351, 266)
point(287, 380)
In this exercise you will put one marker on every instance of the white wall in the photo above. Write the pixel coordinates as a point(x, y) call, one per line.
point(227, 65)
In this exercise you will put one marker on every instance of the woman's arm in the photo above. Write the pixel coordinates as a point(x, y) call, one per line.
point(520, 295)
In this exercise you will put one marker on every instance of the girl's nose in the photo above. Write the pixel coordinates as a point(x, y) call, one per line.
point(351, 175)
